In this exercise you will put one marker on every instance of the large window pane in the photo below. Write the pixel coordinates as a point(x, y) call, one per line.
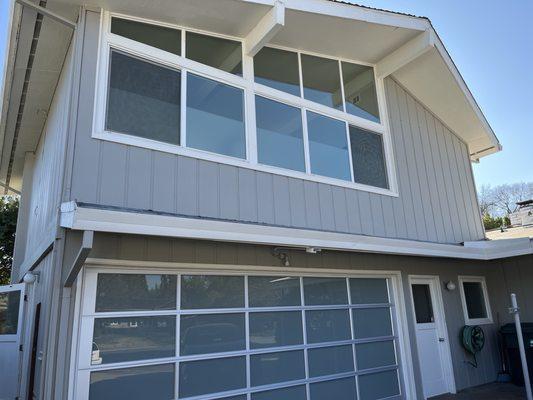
point(278, 69)
point(274, 329)
point(340, 389)
point(321, 81)
point(319, 291)
point(276, 367)
point(211, 333)
point(371, 322)
point(143, 99)
point(327, 325)
point(215, 117)
point(289, 393)
point(368, 291)
point(379, 386)
point(330, 360)
point(133, 338)
point(328, 147)
point(475, 300)
point(373, 355)
point(274, 291)
point(135, 292)
point(279, 134)
point(216, 52)
point(163, 38)
point(211, 376)
point(367, 158)
point(360, 91)
point(211, 291)
point(154, 382)
point(9, 312)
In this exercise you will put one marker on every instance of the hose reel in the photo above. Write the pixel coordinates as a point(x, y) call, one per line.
point(473, 341)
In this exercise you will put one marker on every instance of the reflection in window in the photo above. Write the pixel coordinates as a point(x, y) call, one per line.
point(163, 38)
point(368, 160)
point(143, 99)
point(279, 134)
point(360, 91)
point(211, 291)
point(319, 291)
point(321, 81)
point(327, 325)
point(275, 329)
point(328, 147)
point(274, 291)
point(278, 69)
point(215, 117)
point(216, 52)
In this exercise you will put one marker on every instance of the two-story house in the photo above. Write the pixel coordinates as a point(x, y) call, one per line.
point(244, 199)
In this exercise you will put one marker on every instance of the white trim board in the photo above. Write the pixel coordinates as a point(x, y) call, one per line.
point(78, 217)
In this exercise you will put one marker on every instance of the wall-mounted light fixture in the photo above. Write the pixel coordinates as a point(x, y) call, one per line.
point(450, 286)
point(282, 255)
point(31, 277)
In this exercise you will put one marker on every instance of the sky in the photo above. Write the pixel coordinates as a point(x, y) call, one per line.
point(491, 42)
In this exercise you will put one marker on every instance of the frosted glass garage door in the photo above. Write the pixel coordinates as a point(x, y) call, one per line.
point(206, 336)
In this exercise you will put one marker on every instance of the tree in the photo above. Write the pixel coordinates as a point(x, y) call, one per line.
point(8, 222)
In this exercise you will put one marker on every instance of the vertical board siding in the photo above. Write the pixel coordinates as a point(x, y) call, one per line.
point(437, 200)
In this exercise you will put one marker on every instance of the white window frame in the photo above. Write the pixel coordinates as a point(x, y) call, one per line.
point(482, 281)
point(108, 41)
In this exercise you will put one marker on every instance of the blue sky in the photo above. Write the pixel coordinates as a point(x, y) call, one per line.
point(492, 44)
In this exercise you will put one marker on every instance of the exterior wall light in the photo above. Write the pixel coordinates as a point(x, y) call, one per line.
point(31, 277)
point(450, 286)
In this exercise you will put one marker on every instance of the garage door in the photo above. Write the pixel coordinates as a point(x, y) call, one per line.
point(237, 337)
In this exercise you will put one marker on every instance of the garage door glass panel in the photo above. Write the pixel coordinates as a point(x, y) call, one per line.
point(273, 291)
point(373, 355)
point(340, 389)
point(211, 333)
point(371, 322)
point(211, 376)
point(276, 367)
point(9, 312)
point(321, 291)
point(330, 360)
point(210, 291)
point(290, 393)
point(133, 338)
point(368, 291)
point(154, 382)
point(379, 386)
point(275, 329)
point(135, 292)
point(327, 325)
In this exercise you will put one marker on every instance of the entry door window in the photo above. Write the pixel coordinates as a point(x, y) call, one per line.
point(423, 304)
point(213, 336)
point(9, 312)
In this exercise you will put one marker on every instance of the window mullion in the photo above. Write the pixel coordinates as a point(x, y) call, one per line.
point(183, 113)
point(249, 110)
point(307, 154)
point(350, 155)
point(342, 87)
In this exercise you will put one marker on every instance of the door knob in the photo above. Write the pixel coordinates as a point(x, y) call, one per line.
point(441, 339)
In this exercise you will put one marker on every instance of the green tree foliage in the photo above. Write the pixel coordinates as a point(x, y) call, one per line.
point(9, 207)
point(491, 222)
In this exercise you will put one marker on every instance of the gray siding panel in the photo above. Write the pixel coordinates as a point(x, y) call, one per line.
point(436, 202)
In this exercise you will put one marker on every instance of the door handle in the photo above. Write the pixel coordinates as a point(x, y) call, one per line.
point(441, 339)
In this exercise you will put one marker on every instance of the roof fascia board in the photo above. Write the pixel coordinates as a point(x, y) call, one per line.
point(406, 53)
point(265, 30)
point(127, 222)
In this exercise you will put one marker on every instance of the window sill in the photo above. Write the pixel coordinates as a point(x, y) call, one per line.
point(218, 158)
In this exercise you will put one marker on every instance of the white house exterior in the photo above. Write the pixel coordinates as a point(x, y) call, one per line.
point(244, 199)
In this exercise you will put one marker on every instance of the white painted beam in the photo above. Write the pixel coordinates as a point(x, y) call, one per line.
point(265, 30)
point(403, 55)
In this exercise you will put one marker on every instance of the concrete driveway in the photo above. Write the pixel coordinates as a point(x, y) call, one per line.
point(493, 391)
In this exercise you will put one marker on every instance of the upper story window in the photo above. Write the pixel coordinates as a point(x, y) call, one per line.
point(282, 111)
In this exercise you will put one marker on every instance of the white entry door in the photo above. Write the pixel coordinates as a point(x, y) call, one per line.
point(431, 336)
point(11, 309)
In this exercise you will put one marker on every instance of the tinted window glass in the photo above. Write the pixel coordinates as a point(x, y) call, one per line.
point(327, 325)
point(371, 322)
point(475, 300)
point(143, 99)
point(167, 39)
point(368, 291)
point(422, 302)
point(216, 52)
point(368, 159)
point(133, 338)
point(360, 91)
point(9, 312)
point(373, 355)
point(277, 69)
point(279, 134)
point(379, 386)
point(330, 360)
point(275, 329)
point(154, 382)
point(211, 333)
point(289, 393)
point(277, 367)
point(319, 291)
point(321, 81)
point(135, 292)
point(209, 291)
point(215, 117)
point(340, 389)
point(328, 147)
point(273, 291)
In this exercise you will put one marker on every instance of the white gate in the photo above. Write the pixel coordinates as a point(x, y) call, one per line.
point(11, 319)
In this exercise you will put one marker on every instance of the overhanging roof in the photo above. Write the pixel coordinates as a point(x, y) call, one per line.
point(403, 46)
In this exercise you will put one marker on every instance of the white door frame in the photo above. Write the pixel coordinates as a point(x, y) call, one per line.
point(438, 308)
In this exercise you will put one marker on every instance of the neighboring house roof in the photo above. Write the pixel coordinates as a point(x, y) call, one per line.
point(511, 233)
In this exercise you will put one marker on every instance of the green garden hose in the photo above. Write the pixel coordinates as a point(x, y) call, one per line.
point(473, 341)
